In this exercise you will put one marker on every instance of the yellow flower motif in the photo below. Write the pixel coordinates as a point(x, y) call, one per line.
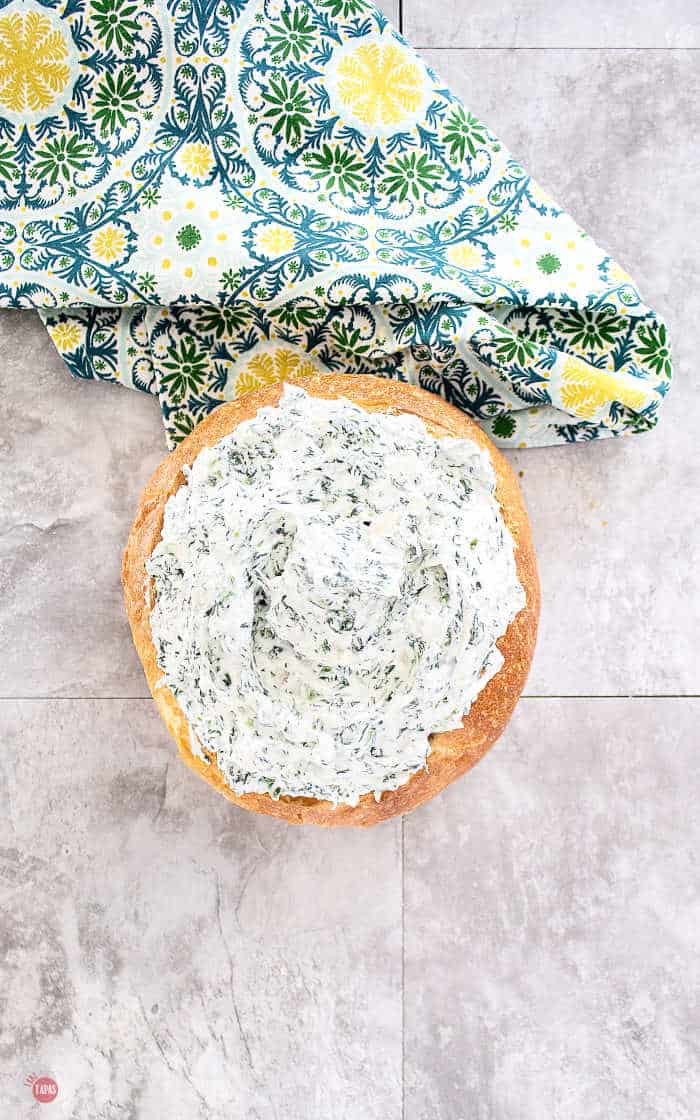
point(66, 336)
point(33, 70)
point(109, 244)
point(275, 240)
point(381, 85)
point(267, 369)
point(585, 389)
point(465, 255)
point(33, 62)
point(197, 160)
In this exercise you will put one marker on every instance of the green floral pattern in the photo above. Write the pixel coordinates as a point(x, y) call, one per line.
point(204, 197)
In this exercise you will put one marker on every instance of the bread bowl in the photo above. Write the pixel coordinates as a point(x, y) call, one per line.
point(452, 752)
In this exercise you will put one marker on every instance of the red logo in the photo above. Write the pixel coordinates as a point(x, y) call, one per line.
point(44, 1089)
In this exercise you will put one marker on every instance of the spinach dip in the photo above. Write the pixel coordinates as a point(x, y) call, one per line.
point(329, 588)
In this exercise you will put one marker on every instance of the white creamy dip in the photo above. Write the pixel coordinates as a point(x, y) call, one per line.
point(330, 584)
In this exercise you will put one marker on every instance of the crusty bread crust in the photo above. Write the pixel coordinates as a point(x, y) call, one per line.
point(453, 752)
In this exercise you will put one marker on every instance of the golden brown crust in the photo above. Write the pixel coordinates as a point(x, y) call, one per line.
point(452, 752)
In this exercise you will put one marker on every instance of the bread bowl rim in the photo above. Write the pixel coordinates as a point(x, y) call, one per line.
point(453, 752)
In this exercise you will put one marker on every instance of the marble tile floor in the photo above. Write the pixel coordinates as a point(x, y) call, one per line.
point(524, 947)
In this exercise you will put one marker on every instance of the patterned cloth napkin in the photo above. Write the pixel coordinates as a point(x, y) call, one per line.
point(205, 196)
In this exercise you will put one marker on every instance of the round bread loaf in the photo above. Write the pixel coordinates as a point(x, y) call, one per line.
point(453, 752)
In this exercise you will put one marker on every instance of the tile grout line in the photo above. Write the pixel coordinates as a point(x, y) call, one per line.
point(63, 699)
point(403, 968)
point(507, 47)
point(524, 696)
point(610, 696)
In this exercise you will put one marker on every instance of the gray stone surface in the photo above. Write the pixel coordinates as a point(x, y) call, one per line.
point(75, 456)
point(163, 954)
point(615, 524)
point(541, 23)
point(551, 913)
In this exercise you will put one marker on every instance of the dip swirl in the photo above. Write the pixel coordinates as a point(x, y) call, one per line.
point(330, 586)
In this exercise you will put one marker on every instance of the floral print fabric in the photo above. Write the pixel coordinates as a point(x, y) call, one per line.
point(205, 196)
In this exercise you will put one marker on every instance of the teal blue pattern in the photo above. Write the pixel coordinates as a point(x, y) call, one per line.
point(204, 197)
